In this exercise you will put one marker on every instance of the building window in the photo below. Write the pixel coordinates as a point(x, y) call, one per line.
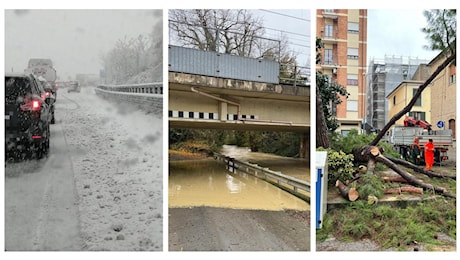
point(394, 100)
point(352, 54)
point(352, 80)
point(328, 10)
point(452, 127)
point(344, 132)
point(418, 102)
point(452, 79)
point(328, 31)
point(328, 56)
point(353, 27)
point(352, 105)
point(452, 74)
point(329, 79)
point(417, 115)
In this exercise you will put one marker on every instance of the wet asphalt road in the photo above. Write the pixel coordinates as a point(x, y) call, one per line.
point(225, 229)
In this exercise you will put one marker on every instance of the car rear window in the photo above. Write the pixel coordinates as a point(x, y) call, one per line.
point(16, 89)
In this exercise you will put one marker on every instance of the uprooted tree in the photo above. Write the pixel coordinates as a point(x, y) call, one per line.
point(441, 32)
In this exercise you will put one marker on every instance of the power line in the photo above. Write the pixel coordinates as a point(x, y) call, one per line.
point(286, 15)
point(283, 31)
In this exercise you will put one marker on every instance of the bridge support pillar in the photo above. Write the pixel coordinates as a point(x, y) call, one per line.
point(223, 111)
point(305, 146)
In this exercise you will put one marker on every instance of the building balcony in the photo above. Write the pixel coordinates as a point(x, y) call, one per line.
point(330, 37)
point(330, 63)
point(329, 13)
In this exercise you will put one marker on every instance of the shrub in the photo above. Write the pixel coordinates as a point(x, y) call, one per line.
point(340, 166)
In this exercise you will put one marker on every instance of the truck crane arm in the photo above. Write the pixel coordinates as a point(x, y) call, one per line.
point(410, 121)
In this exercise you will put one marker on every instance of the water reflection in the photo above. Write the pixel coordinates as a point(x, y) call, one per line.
point(208, 183)
point(295, 167)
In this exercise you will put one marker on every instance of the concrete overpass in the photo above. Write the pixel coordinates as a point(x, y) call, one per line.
point(197, 101)
point(215, 91)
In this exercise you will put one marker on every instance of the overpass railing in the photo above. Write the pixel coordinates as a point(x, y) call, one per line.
point(291, 184)
point(147, 96)
point(224, 65)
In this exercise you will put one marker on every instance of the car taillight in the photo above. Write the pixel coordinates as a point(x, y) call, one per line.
point(36, 105)
point(45, 95)
point(33, 105)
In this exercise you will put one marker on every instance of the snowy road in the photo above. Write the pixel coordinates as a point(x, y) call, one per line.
point(99, 189)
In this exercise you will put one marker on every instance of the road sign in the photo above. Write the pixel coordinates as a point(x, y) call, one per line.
point(440, 124)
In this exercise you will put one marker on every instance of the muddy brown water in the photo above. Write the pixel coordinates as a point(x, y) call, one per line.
point(208, 183)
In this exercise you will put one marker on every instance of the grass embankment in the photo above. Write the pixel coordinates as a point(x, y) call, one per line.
point(400, 226)
point(189, 151)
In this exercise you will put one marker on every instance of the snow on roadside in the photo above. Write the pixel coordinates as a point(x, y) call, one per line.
point(117, 164)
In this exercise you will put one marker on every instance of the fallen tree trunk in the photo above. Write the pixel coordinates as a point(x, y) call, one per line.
point(394, 179)
point(412, 179)
point(399, 190)
point(420, 170)
point(350, 194)
point(362, 154)
point(374, 153)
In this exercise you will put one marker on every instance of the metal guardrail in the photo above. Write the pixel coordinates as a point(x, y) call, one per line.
point(147, 88)
point(148, 96)
point(293, 184)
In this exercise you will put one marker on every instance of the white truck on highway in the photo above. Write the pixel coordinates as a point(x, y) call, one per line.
point(402, 138)
point(44, 68)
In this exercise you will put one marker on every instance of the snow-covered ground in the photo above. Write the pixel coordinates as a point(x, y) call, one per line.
point(116, 155)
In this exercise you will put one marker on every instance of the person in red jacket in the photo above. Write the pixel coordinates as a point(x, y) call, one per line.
point(429, 155)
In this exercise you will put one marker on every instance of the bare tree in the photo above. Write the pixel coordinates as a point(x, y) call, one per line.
point(131, 58)
point(226, 31)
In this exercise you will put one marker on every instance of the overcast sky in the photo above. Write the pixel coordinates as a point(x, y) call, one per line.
point(291, 23)
point(390, 31)
point(73, 39)
point(397, 32)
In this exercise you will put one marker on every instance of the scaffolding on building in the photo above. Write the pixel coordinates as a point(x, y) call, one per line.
point(383, 76)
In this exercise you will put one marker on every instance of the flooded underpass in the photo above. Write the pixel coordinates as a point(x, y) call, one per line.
point(208, 183)
point(213, 209)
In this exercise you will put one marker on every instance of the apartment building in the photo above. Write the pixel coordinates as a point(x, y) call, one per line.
point(382, 78)
point(400, 97)
point(443, 95)
point(344, 34)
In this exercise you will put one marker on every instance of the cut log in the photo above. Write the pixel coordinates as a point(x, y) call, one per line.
point(366, 152)
point(394, 179)
point(350, 194)
point(399, 190)
point(374, 150)
point(412, 179)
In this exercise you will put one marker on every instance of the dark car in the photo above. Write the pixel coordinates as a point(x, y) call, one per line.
point(74, 86)
point(51, 93)
point(27, 117)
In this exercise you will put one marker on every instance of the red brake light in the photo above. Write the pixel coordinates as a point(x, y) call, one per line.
point(33, 105)
point(46, 94)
